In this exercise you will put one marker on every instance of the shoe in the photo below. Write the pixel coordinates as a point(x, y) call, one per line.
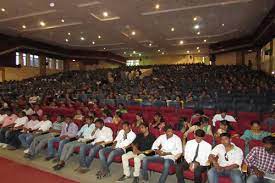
point(123, 178)
point(58, 167)
point(55, 160)
point(83, 170)
point(136, 180)
point(11, 148)
point(1, 144)
point(26, 151)
point(48, 158)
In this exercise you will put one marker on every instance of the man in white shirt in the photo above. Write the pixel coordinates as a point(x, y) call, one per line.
point(196, 154)
point(167, 147)
point(84, 135)
point(42, 127)
point(223, 116)
point(227, 160)
point(123, 140)
point(103, 135)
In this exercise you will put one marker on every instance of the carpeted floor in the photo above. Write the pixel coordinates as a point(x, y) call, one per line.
point(13, 172)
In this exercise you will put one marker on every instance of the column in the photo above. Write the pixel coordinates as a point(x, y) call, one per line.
point(271, 58)
point(258, 58)
point(42, 65)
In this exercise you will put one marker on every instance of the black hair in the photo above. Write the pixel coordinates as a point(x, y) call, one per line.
point(200, 133)
point(145, 125)
point(99, 120)
point(269, 140)
point(119, 114)
point(225, 135)
point(126, 123)
point(223, 110)
point(199, 111)
point(168, 127)
point(227, 123)
point(139, 114)
point(255, 122)
point(183, 119)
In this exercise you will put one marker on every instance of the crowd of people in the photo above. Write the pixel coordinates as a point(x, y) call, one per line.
point(187, 84)
point(137, 140)
point(200, 144)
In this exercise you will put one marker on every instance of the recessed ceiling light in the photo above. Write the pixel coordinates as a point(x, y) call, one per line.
point(198, 33)
point(158, 50)
point(187, 51)
point(124, 53)
point(130, 55)
point(223, 25)
point(62, 20)
point(93, 42)
point(157, 6)
point(195, 18)
point(139, 54)
point(172, 29)
point(99, 37)
point(162, 53)
point(3, 9)
point(198, 48)
point(73, 60)
point(24, 26)
point(69, 33)
point(133, 33)
point(42, 23)
point(52, 4)
point(199, 51)
point(105, 14)
point(67, 40)
point(134, 52)
point(181, 42)
point(204, 40)
point(150, 44)
point(197, 26)
point(82, 38)
point(104, 48)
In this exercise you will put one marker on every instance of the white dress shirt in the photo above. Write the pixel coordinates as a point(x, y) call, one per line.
point(2, 117)
point(218, 117)
point(123, 143)
point(43, 126)
point(103, 135)
point(21, 121)
point(29, 111)
point(203, 153)
point(86, 132)
point(235, 155)
point(172, 145)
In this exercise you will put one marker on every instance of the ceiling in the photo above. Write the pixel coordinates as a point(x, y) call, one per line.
point(133, 27)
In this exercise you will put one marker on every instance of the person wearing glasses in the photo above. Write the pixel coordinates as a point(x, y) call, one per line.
point(226, 159)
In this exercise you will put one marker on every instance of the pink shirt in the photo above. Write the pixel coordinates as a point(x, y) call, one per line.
point(9, 120)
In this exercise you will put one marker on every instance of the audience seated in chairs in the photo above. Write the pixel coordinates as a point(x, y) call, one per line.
point(167, 148)
point(195, 158)
point(226, 159)
point(122, 141)
point(141, 147)
point(261, 162)
point(223, 116)
point(41, 141)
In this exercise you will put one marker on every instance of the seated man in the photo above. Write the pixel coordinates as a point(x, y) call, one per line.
point(122, 141)
point(13, 137)
point(41, 141)
point(141, 144)
point(227, 160)
point(223, 116)
point(18, 125)
point(261, 162)
point(103, 135)
point(84, 135)
point(40, 128)
point(167, 147)
point(8, 123)
point(196, 154)
point(68, 133)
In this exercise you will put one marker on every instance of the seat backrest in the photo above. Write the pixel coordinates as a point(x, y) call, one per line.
point(254, 143)
point(207, 138)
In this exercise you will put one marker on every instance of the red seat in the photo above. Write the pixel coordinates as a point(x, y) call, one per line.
point(237, 141)
point(167, 110)
point(207, 138)
point(130, 117)
point(254, 143)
